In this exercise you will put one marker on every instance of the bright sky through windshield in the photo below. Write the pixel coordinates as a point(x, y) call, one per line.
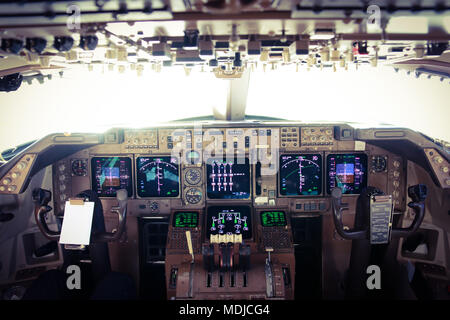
point(372, 96)
point(93, 102)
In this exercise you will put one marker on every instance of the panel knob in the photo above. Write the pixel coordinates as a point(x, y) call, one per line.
point(15, 175)
point(438, 159)
point(21, 165)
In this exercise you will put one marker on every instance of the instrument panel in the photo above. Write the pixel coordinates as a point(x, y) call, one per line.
point(183, 170)
point(159, 176)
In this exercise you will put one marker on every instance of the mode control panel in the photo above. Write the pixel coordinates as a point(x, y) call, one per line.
point(317, 136)
point(141, 140)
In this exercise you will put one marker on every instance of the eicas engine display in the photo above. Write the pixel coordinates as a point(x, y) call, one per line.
point(110, 174)
point(228, 179)
point(229, 220)
point(347, 171)
point(300, 174)
point(157, 177)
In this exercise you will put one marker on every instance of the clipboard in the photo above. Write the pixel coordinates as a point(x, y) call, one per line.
point(77, 223)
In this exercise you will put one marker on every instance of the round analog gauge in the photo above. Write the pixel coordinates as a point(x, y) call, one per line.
point(379, 163)
point(193, 195)
point(193, 176)
point(79, 167)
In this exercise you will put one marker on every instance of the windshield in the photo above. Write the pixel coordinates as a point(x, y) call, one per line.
point(369, 96)
point(93, 101)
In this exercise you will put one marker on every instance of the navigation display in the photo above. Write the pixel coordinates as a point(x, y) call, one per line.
point(157, 177)
point(229, 220)
point(228, 179)
point(347, 171)
point(300, 174)
point(110, 174)
point(183, 219)
point(273, 219)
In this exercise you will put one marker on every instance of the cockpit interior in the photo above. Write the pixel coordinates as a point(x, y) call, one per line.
point(228, 205)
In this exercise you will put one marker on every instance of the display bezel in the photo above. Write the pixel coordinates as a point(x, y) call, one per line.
point(266, 211)
point(92, 173)
point(156, 156)
point(216, 209)
point(250, 169)
point(322, 180)
point(186, 211)
point(366, 176)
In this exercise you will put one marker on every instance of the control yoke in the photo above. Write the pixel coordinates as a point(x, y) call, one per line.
point(338, 209)
point(42, 197)
point(417, 193)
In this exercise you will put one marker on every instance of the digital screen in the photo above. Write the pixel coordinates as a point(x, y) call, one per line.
point(228, 179)
point(157, 177)
point(229, 220)
point(273, 219)
point(184, 219)
point(347, 171)
point(300, 174)
point(110, 174)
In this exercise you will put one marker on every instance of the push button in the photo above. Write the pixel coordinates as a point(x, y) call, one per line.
point(322, 206)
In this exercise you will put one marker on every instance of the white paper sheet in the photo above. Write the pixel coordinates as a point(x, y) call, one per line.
point(77, 223)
